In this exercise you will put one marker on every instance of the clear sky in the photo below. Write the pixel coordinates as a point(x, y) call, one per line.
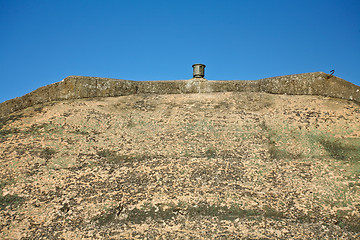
point(44, 41)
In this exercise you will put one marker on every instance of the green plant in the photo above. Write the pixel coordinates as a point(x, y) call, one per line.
point(47, 153)
point(79, 131)
point(39, 129)
point(12, 118)
point(275, 141)
point(161, 212)
point(114, 158)
point(348, 221)
point(342, 149)
point(210, 152)
point(8, 200)
point(272, 213)
point(4, 134)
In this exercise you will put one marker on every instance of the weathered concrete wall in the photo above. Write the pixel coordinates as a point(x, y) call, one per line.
point(73, 87)
point(317, 83)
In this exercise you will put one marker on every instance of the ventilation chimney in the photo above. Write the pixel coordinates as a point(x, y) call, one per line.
point(198, 70)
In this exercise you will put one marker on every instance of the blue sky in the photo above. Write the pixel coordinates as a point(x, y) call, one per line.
point(43, 42)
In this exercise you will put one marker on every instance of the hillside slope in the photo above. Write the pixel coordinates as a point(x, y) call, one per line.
point(226, 165)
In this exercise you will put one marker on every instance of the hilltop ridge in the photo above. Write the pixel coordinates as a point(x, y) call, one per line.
point(74, 87)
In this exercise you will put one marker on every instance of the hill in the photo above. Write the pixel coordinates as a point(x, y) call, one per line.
point(230, 165)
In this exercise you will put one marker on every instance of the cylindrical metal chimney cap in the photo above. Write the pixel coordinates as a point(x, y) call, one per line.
point(198, 70)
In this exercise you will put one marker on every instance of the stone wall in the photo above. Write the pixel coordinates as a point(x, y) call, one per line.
point(73, 87)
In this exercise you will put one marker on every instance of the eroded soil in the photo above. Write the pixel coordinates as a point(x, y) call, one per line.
point(214, 165)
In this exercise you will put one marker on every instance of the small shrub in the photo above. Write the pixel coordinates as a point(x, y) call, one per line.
point(272, 213)
point(114, 158)
point(4, 134)
point(347, 221)
point(81, 132)
point(35, 128)
point(5, 120)
point(342, 149)
point(8, 200)
point(210, 153)
point(161, 212)
point(47, 153)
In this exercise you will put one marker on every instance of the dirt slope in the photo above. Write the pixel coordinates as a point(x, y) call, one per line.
point(212, 165)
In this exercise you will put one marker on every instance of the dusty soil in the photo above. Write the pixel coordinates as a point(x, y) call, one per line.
point(187, 166)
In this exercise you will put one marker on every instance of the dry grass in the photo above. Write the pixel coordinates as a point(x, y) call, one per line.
point(221, 165)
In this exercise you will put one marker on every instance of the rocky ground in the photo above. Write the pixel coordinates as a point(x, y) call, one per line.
point(187, 166)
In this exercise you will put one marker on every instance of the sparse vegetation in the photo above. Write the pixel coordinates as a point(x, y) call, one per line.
point(81, 132)
point(275, 140)
point(5, 120)
point(47, 153)
point(163, 212)
point(5, 133)
point(8, 200)
point(210, 152)
point(342, 149)
point(114, 158)
point(214, 166)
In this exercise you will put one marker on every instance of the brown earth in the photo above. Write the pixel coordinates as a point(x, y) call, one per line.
point(227, 165)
